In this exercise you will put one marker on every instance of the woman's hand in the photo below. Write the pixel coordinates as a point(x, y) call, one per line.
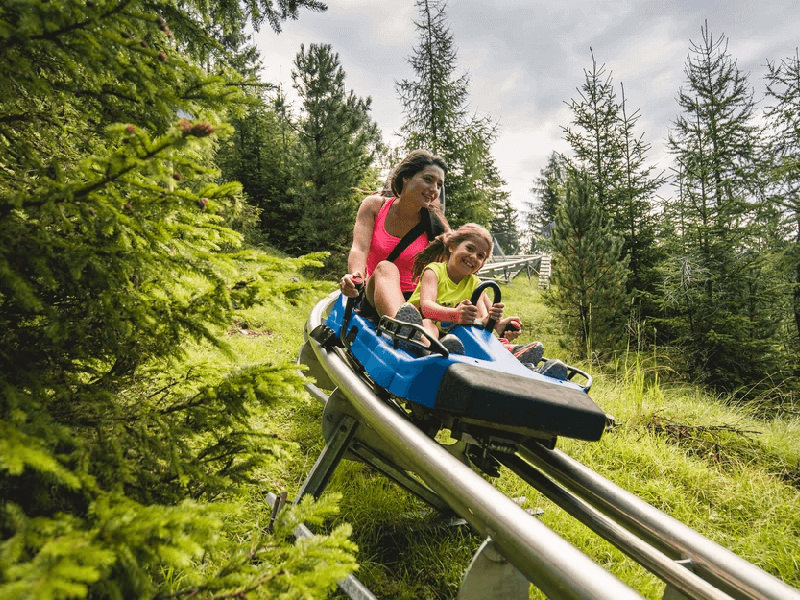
point(349, 282)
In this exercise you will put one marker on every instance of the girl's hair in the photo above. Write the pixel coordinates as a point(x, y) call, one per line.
point(438, 249)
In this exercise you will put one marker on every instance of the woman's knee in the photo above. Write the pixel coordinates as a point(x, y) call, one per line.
point(385, 277)
point(386, 270)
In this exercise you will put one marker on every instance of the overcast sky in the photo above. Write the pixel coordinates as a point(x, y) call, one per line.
point(525, 59)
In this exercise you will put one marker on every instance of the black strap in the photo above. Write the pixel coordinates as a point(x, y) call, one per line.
point(406, 240)
point(427, 225)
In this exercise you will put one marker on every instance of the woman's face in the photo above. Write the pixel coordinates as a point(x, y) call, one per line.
point(425, 186)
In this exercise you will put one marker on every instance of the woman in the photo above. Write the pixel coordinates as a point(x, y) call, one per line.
point(382, 223)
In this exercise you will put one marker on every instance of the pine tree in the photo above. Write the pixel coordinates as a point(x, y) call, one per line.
point(594, 137)
point(605, 143)
point(337, 144)
point(720, 306)
point(637, 221)
point(588, 282)
point(783, 150)
point(549, 187)
point(437, 119)
point(120, 470)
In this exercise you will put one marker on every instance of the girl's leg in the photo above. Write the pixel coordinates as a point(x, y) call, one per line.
point(383, 289)
point(431, 328)
point(448, 340)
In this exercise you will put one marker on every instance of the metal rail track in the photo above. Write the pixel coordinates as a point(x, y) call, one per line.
point(360, 424)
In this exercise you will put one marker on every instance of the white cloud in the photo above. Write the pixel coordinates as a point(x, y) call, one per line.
point(526, 58)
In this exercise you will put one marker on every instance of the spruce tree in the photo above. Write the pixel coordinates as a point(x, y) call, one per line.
point(549, 188)
point(435, 105)
point(605, 143)
point(718, 301)
point(594, 136)
point(504, 226)
point(259, 156)
point(336, 146)
point(783, 152)
point(123, 474)
point(589, 271)
point(636, 221)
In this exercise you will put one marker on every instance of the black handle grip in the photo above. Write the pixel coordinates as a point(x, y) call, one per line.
point(358, 282)
point(476, 295)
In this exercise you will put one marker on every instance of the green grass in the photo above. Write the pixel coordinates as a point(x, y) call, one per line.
point(721, 468)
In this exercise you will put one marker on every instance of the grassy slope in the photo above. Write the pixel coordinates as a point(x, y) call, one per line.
point(731, 487)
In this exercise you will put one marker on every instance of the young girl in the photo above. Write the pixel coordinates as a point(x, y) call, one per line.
point(447, 269)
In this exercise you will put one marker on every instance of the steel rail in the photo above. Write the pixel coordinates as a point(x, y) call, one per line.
point(488, 266)
point(715, 563)
point(552, 564)
point(349, 585)
point(692, 565)
point(670, 571)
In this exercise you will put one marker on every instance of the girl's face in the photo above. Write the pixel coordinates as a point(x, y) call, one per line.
point(467, 257)
point(425, 186)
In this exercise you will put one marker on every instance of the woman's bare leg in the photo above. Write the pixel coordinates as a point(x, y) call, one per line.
point(383, 289)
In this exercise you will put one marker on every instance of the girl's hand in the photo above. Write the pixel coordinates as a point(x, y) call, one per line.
point(349, 282)
point(509, 328)
point(467, 312)
point(496, 311)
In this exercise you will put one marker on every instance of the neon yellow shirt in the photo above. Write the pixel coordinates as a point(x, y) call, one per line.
point(448, 293)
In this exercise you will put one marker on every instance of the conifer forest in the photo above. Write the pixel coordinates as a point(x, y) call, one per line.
point(153, 186)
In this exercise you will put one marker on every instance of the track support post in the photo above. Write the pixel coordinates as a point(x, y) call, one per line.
point(329, 458)
point(490, 575)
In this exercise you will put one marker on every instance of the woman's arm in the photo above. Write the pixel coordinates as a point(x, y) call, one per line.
point(362, 233)
point(362, 239)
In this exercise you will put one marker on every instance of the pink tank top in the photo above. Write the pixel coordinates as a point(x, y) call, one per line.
point(383, 243)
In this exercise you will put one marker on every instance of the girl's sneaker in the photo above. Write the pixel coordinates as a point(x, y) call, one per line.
point(529, 353)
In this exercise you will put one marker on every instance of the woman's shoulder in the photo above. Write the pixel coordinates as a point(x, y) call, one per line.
point(372, 204)
point(376, 200)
